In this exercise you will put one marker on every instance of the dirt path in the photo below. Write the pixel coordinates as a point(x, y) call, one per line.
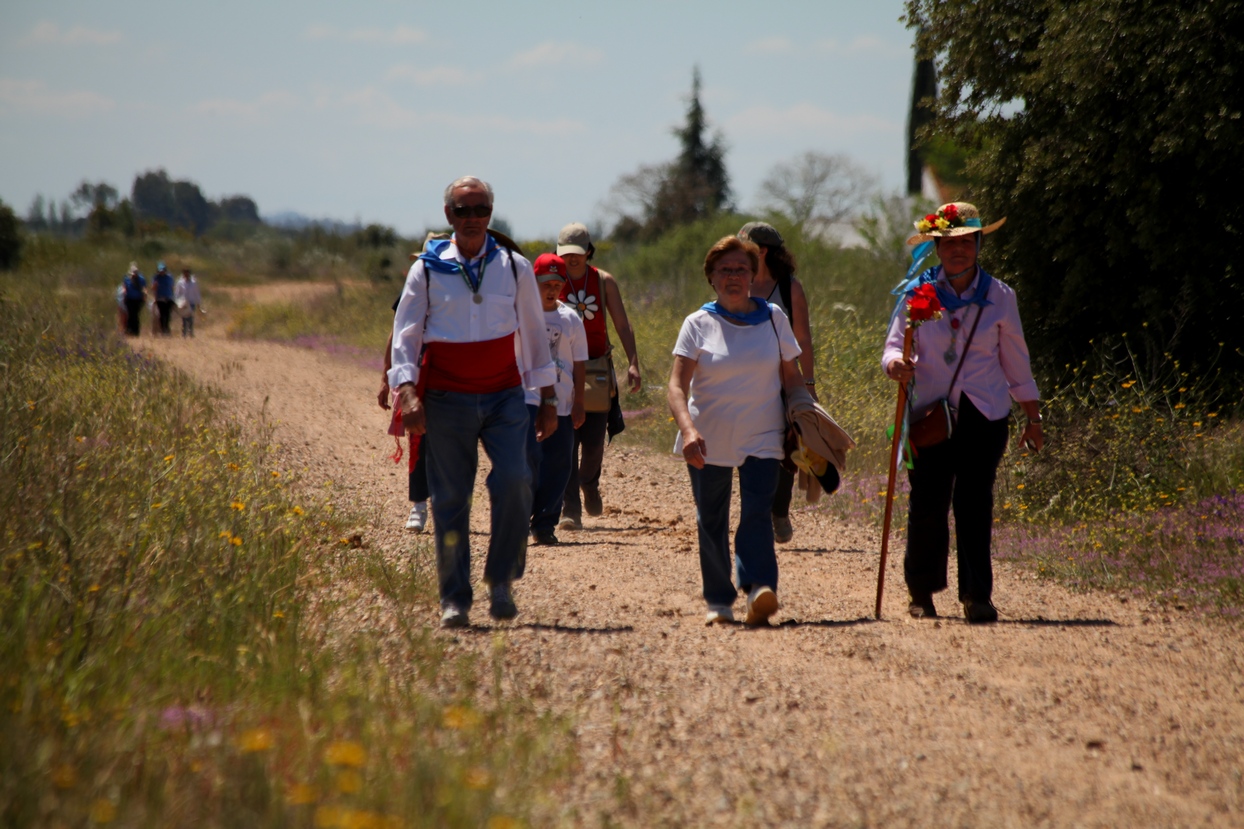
point(1074, 710)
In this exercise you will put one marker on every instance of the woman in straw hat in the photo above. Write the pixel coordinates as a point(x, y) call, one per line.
point(978, 347)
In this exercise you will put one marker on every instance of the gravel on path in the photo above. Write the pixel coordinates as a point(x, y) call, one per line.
point(1074, 710)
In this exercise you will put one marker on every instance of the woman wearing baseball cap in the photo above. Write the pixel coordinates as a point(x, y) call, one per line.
point(591, 292)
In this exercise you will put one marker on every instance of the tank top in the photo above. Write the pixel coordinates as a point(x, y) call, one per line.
point(775, 298)
point(588, 300)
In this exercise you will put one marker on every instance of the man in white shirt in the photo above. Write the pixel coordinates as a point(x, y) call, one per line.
point(468, 335)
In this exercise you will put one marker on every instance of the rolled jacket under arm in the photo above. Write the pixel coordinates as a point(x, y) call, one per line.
point(995, 370)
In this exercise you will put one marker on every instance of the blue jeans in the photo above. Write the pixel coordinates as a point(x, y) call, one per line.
point(754, 557)
point(456, 421)
point(550, 463)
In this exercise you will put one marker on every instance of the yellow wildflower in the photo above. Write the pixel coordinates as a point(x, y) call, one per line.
point(256, 739)
point(349, 781)
point(237, 505)
point(103, 811)
point(345, 753)
point(79, 438)
point(501, 822)
point(300, 794)
point(168, 457)
point(236, 541)
point(64, 776)
point(477, 778)
point(458, 717)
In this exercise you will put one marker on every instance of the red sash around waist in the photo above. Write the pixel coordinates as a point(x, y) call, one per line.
point(474, 368)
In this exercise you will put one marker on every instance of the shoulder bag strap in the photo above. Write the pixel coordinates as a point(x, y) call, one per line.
point(966, 346)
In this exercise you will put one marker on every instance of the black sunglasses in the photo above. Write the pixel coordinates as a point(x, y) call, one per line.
point(464, 211)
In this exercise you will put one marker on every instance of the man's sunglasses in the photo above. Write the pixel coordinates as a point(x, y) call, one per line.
point(464, 211)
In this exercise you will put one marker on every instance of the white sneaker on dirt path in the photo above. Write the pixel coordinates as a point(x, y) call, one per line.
point(454, 617)
point(569, 523)
point(719, 614)
point(418, 517)
point(761, 604)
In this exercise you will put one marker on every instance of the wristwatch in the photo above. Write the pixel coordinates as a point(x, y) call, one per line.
point(549, 401)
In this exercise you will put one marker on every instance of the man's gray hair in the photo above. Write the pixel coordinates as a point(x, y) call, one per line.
point(467, 181)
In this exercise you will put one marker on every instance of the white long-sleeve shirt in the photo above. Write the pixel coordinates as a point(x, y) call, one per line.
point(995, 369)
point(188, 289)
point(441, 309)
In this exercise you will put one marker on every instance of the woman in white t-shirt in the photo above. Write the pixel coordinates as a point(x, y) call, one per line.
point(732, 360)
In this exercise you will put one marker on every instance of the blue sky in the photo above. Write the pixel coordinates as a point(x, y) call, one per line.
point(366, 110)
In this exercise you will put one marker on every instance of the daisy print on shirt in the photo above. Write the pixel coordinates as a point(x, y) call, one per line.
point(584, 303)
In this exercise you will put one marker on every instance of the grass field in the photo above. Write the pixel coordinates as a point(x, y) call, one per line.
point(160, 662)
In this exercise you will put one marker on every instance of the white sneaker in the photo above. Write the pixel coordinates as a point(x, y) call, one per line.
point(719, 614)
point(454, 617)
point(418, 517)
point(569, 523)
point(761, 604)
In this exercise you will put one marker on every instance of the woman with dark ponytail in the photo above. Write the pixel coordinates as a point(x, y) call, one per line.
point(776, 282)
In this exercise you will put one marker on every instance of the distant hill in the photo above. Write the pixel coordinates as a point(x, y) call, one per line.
point(292, 220)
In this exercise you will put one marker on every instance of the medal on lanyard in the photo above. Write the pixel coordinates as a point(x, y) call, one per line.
point(476, 296)
point(952, 353)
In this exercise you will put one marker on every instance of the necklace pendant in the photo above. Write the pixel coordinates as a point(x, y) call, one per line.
point(477, 298)
point(950, 356)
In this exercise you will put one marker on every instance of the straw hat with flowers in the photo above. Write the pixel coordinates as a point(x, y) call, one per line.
point(957, 218)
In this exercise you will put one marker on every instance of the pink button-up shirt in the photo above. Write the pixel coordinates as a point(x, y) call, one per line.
point(996, 368)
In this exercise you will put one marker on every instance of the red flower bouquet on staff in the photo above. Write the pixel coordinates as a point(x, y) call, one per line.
point(923, 305)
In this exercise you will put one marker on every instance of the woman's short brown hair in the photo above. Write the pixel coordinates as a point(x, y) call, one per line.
point(729, 244)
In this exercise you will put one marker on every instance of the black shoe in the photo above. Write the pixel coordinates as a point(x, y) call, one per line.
point(591, 502)
point(979, 612)
point(502, 607)
point(921, 606)
point(543, 537)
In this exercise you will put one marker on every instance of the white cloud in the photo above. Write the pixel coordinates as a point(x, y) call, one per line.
point(806, 120)
point(436, 76)
point(233, 108)
point(49, 34)
point(396, 36)
point(34, 97)
point(554, 53)
point(770, 46)
point(865, 45)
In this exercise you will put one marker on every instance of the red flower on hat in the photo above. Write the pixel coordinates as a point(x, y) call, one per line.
point(950, 212)
point(923, 305)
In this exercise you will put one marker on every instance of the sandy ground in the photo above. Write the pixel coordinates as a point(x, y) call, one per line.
point(1073, 710)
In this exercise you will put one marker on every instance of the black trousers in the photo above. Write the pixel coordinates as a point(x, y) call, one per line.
point(165, 307)
point(585, 465)
point(133, 310)
point(961, 472)
point(785, 491)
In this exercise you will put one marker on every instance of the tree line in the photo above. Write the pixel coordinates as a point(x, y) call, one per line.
point(156, 202)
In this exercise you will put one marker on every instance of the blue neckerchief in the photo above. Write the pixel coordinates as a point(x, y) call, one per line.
point(432, 260)
point(949, 299)
point(756, 316)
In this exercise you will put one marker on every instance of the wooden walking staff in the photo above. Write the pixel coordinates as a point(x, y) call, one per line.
point(922, 305)
point(893, 473)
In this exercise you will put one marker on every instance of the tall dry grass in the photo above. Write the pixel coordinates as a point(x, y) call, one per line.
point(165, 585)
